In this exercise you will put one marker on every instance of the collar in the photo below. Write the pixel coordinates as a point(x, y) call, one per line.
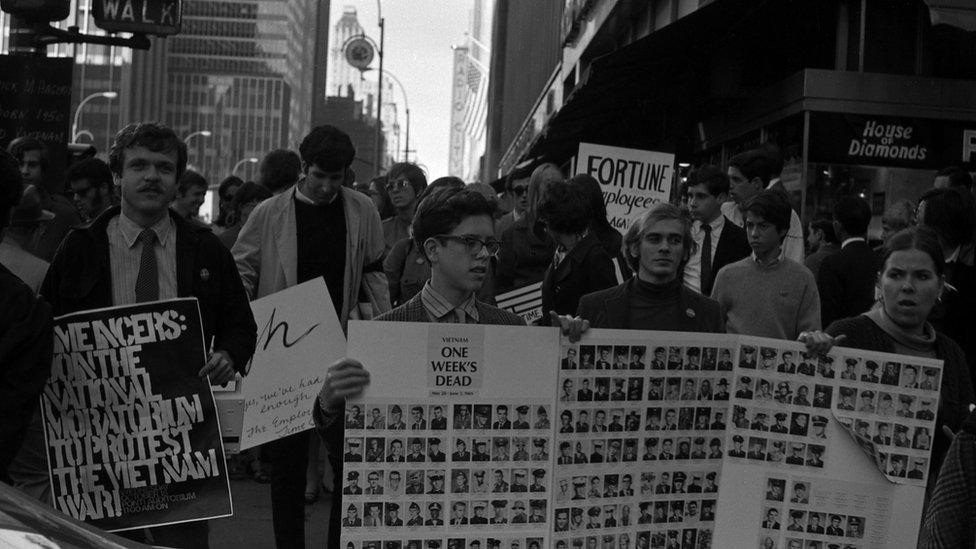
point(717, 225)
point(851, 240)
point(439, 306)
point(302, 197)
point(954, 256)
point(771, 263)
point(772, 182)
point(517, 216)
point(130, 230)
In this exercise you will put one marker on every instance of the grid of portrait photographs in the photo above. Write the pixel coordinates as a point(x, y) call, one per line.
point(781, 406)
point(465, 466)
point(890, 407)
point(426, 542)
point(803, 514)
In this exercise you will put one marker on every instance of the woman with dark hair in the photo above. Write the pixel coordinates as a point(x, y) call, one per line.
point(609, 237)
point(225, 192)
point(377, 192)
point(580, 265)
point(526, 248)
point(404, 184)
point(911, 280)
point(248, 196)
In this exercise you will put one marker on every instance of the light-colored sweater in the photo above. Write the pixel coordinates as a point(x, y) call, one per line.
point(778, 300)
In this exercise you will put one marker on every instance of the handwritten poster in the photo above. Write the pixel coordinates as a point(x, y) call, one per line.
point(299, 335)
point(131, 430)
point(632, 180)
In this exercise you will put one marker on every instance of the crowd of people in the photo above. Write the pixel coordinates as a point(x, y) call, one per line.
point(729, 255)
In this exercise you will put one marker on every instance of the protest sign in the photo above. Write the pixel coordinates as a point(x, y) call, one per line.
point(299, 335)
point(131, 429)
point(632, 180)
point(525, 302)
point(443, 463)
point(656, 439)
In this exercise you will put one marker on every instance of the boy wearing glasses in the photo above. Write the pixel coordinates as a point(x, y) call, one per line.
point(455, 230)
point(518, 189)
point(404, 183)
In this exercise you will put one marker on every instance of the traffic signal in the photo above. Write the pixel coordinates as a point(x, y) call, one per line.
point(37, 10)
point(159, 17)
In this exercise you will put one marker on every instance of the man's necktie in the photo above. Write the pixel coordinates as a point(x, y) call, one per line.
point(706, 261)
point(147, 282)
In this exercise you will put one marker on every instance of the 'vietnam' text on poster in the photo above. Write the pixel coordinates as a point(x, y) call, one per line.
point(131, 430)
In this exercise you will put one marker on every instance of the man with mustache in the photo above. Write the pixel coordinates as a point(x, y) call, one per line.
point(142, 251)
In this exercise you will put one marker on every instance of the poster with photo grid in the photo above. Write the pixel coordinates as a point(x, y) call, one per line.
point(451, 444)
point(640, 439)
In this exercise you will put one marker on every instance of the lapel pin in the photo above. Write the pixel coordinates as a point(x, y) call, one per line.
point(690, 313)
point(204, 275)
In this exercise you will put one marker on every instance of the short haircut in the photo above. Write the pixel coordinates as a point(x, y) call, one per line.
point(659, 212)
point(191, 179)
point(951, 213)
point(827, 226)
point(440, 212)
point(853, 214)
point(248, 192)
point(151, 135)
point(716, 181)
point(327, 147)
point(279, 169)
point(922, 239)
point(94, 170)
point(957, 176)
point(900, 215)
point(226, 184)
point(19, 146)
point(439, 184)
point(773, 206)
point(564, 208)
point(413, 173)
point(11, 186)
point(755, 163)
point(541, 176)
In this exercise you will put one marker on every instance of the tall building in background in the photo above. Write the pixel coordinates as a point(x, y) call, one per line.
point(351, 101)
point(243, 70)
point(469, 96)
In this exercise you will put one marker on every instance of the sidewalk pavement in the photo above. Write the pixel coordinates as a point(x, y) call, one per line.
point(250, 527)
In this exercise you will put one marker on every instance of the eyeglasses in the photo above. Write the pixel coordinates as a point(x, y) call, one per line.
point(397, 185)
point(473, 244)
point(519, 191)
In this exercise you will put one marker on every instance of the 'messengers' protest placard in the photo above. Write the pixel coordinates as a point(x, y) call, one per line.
point(631, 179)
point(131, 429)
point(299, 335)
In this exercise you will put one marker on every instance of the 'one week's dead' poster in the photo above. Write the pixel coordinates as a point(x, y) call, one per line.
point(131, 429)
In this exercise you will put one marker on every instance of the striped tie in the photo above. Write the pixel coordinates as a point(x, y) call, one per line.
point(147, 283)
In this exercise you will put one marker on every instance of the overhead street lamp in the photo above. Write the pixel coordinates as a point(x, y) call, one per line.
point(379, 94)
point(243, 161)
point(406, 107)
point(74, 124)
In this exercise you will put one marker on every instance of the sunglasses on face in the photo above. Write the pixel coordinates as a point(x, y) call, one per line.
point(397, 185)
point(519, 191)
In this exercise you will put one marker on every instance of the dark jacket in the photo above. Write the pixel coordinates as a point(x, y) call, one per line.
point(610, 308)
point(25, 361)
point(585, 269)
point(80, 278)
point(846, 282)
point(957, 390)
point(950, 520)
point(952, 315)
point(733, 245)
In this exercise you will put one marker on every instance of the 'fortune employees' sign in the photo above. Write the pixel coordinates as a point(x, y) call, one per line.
point(632, 180)
point(131, 429)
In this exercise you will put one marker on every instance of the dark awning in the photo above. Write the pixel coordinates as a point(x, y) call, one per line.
point(957, 13)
